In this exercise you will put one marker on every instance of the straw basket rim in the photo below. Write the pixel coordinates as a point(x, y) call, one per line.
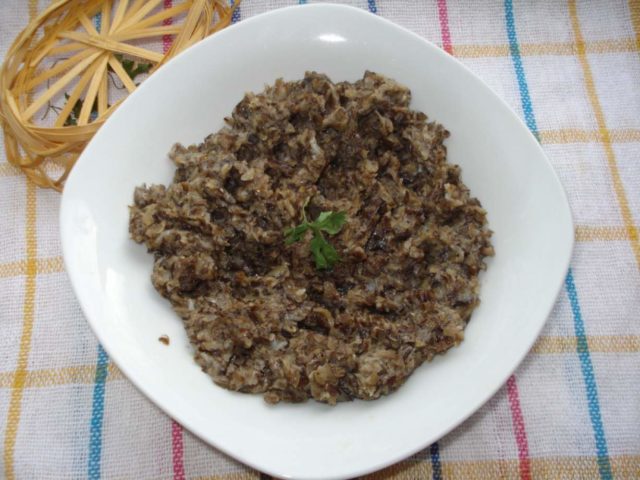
point(95, 54)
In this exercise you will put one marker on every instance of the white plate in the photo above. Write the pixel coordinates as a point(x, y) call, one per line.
point(186, 100)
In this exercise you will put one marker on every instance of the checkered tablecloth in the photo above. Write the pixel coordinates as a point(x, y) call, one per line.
point(572, 409)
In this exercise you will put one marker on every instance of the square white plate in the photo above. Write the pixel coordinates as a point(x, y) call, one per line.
point(502, 164)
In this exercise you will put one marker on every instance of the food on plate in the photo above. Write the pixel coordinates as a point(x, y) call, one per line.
point(319, 245)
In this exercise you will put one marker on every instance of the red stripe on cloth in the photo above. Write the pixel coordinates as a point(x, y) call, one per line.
point(167, 40)
point(177, 449)
point(519, 429)
point(444, 26)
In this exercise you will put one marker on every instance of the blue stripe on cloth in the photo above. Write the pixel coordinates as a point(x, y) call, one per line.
point(235, 18)
point(97, 414)
point(604, 464)
point(372, 6)
point(525, 99)
point(436, 466)
point(302, 2)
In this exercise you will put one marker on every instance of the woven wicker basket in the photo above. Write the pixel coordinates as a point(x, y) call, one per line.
point(62, 56)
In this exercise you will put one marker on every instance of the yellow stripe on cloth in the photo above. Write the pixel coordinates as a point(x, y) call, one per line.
point(596, 343)
point(232, 476)
point(85, 374)
point(33, 9)
point(20, 375)
point(634, 10)
point(408, 470)
point(575, 135)
point(550, 48)
point(564, 135)
point(9, 170)
point(618, 187)
point(567, 468)
point(586, 233)
point(51, 377)
point(43, 267)
point(17, 389)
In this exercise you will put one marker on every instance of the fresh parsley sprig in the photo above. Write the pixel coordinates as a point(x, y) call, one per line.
point(323, 252)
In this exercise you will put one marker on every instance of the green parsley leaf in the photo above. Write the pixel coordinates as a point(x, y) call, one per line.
point(324, 254)
point(295, 234)
point(318, 255)
point(331, 222)
point(329, 253)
